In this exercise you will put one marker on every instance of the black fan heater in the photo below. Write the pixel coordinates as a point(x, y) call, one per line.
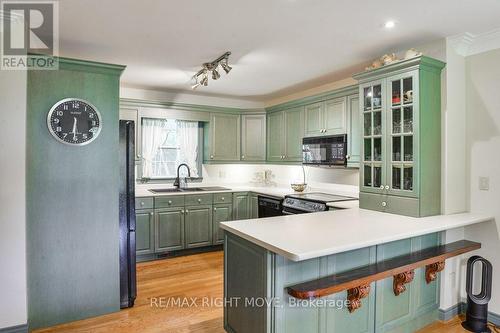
point(476, 316)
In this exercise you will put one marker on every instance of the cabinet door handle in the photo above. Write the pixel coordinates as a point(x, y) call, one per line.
point(215, 209)
point(199, 200)
point(169, 202)
point(151, 213)
point(384, 203)
point(222, 198)
point(142, 203)
point(139, 155)
point(182, 211)
point(243, 156)
point(212, 156)
point(187, 211)
point(347, 156)
point(381, 187)
point(386, 187)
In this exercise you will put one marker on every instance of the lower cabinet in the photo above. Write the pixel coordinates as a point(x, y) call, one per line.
point(221, 213)
point(169, 225)
point(172, 223)
point(254, 206)
point(241, 205)
point(145, 231)
point(198, 223)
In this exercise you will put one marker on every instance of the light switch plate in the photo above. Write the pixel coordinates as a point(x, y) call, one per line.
point(484, 183)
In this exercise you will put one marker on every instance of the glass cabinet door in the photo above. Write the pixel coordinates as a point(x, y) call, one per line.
point(373, 130)
point(401, 171)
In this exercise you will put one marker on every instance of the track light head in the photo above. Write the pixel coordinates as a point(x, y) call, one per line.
point(215, 74)
point(204, 80)
point(226, 67)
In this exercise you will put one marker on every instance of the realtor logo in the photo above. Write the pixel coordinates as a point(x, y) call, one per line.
point(30, 37)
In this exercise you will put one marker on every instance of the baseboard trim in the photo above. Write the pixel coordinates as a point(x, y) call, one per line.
point(460, 308)
point(15, 329)
point(455, 310)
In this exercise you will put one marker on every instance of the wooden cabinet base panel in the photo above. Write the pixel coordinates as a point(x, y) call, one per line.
point(179, 253)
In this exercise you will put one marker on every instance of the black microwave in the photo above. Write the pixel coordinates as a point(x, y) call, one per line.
point(325, 150)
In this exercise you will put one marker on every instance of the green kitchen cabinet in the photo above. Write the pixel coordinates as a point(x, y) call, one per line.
point(241, 205)
point(251, 271)
point(326, 118)
point(198, 225)
point(284, 135)
point(400, 116)
point(223, 134)
point(353, 132)
point(144, 231)
point(221, 213)
point(254, 206)
point(415, 307)
point(253, 137)
point(169, 229)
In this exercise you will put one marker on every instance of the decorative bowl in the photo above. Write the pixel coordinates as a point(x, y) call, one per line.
point(298, 187)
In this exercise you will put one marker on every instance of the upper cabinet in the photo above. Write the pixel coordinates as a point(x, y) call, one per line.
point(253, 137)
point(224, 135)
point(400, 113)
point(234, 137)
point(326, 118)
point(284, 135)
point(353, 132)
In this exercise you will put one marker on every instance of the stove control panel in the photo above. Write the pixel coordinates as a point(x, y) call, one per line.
point(304, 205)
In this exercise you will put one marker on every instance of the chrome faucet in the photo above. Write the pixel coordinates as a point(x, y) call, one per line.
point(177, 182)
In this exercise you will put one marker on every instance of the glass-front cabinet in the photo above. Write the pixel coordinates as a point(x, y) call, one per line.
point(401, 137)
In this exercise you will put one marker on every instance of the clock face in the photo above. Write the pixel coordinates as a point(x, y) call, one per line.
point(74, 121)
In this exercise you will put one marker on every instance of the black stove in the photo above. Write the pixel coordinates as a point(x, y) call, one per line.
point(310, 202)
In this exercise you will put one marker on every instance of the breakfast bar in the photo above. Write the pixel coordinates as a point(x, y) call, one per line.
point(349, 270)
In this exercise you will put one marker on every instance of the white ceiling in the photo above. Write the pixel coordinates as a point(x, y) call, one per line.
point(278, 46)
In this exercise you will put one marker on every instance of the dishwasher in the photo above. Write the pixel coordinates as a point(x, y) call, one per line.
point(270, 206)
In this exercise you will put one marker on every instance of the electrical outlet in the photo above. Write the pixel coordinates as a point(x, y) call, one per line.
point(484, 183)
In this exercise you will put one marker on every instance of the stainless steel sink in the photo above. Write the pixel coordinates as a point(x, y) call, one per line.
point(189, 189)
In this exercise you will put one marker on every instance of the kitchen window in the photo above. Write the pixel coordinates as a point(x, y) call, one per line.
point(166, 143)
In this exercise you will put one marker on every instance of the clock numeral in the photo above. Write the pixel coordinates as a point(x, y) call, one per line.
point(59, 113)
point(93, 129)
point(91, 115)
point(85, 136)
point(76, 105)
point(58, 129)
point(65, 135)
point(65, 107)
point(75, 138)
point(56, 120)
point(94, 123)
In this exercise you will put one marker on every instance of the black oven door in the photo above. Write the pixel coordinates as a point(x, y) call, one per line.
point(292, 211)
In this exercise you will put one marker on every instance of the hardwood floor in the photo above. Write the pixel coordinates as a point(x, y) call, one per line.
point(196, 277)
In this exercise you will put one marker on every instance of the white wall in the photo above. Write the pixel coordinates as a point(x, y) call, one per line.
point(188, 98)
point(483, 155)
point(12, 198)
point(284, 175)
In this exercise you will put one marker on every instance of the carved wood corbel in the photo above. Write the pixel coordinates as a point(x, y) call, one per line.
point(432, 270)
point(400, 280)
point(354, 296)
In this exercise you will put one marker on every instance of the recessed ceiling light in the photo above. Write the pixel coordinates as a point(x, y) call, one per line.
point(389, 24)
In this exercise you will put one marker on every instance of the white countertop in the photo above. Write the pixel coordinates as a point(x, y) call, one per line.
point(277, 191)
point(306, 236)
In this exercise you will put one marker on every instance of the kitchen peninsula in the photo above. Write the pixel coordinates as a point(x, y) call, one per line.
point(265, 257)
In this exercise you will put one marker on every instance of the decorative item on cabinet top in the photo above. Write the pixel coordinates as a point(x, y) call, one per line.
point(391, 58)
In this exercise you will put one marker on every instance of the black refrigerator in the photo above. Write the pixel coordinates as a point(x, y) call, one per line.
point(128, 289)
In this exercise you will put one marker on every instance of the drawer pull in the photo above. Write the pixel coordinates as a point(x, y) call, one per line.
point(381, 187)
point(151, 213)
point(169, 202)
point(386, 187)
point(182, 211)
point(187, 211)
point(384, 203)
point(215, 209)
point(142, 203)
point(222, 198)
point(199, 200)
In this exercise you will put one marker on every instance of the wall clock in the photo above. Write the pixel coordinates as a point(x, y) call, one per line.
point(74, 122)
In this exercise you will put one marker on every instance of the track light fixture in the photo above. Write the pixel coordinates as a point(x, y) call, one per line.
point(201, 78)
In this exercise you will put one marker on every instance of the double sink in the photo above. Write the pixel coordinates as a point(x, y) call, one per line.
point(189, 189)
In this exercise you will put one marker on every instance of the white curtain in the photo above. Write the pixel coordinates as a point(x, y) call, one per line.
point(154, 134)
point(187, 140)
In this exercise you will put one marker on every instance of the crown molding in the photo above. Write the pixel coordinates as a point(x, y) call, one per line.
point(468, 44)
